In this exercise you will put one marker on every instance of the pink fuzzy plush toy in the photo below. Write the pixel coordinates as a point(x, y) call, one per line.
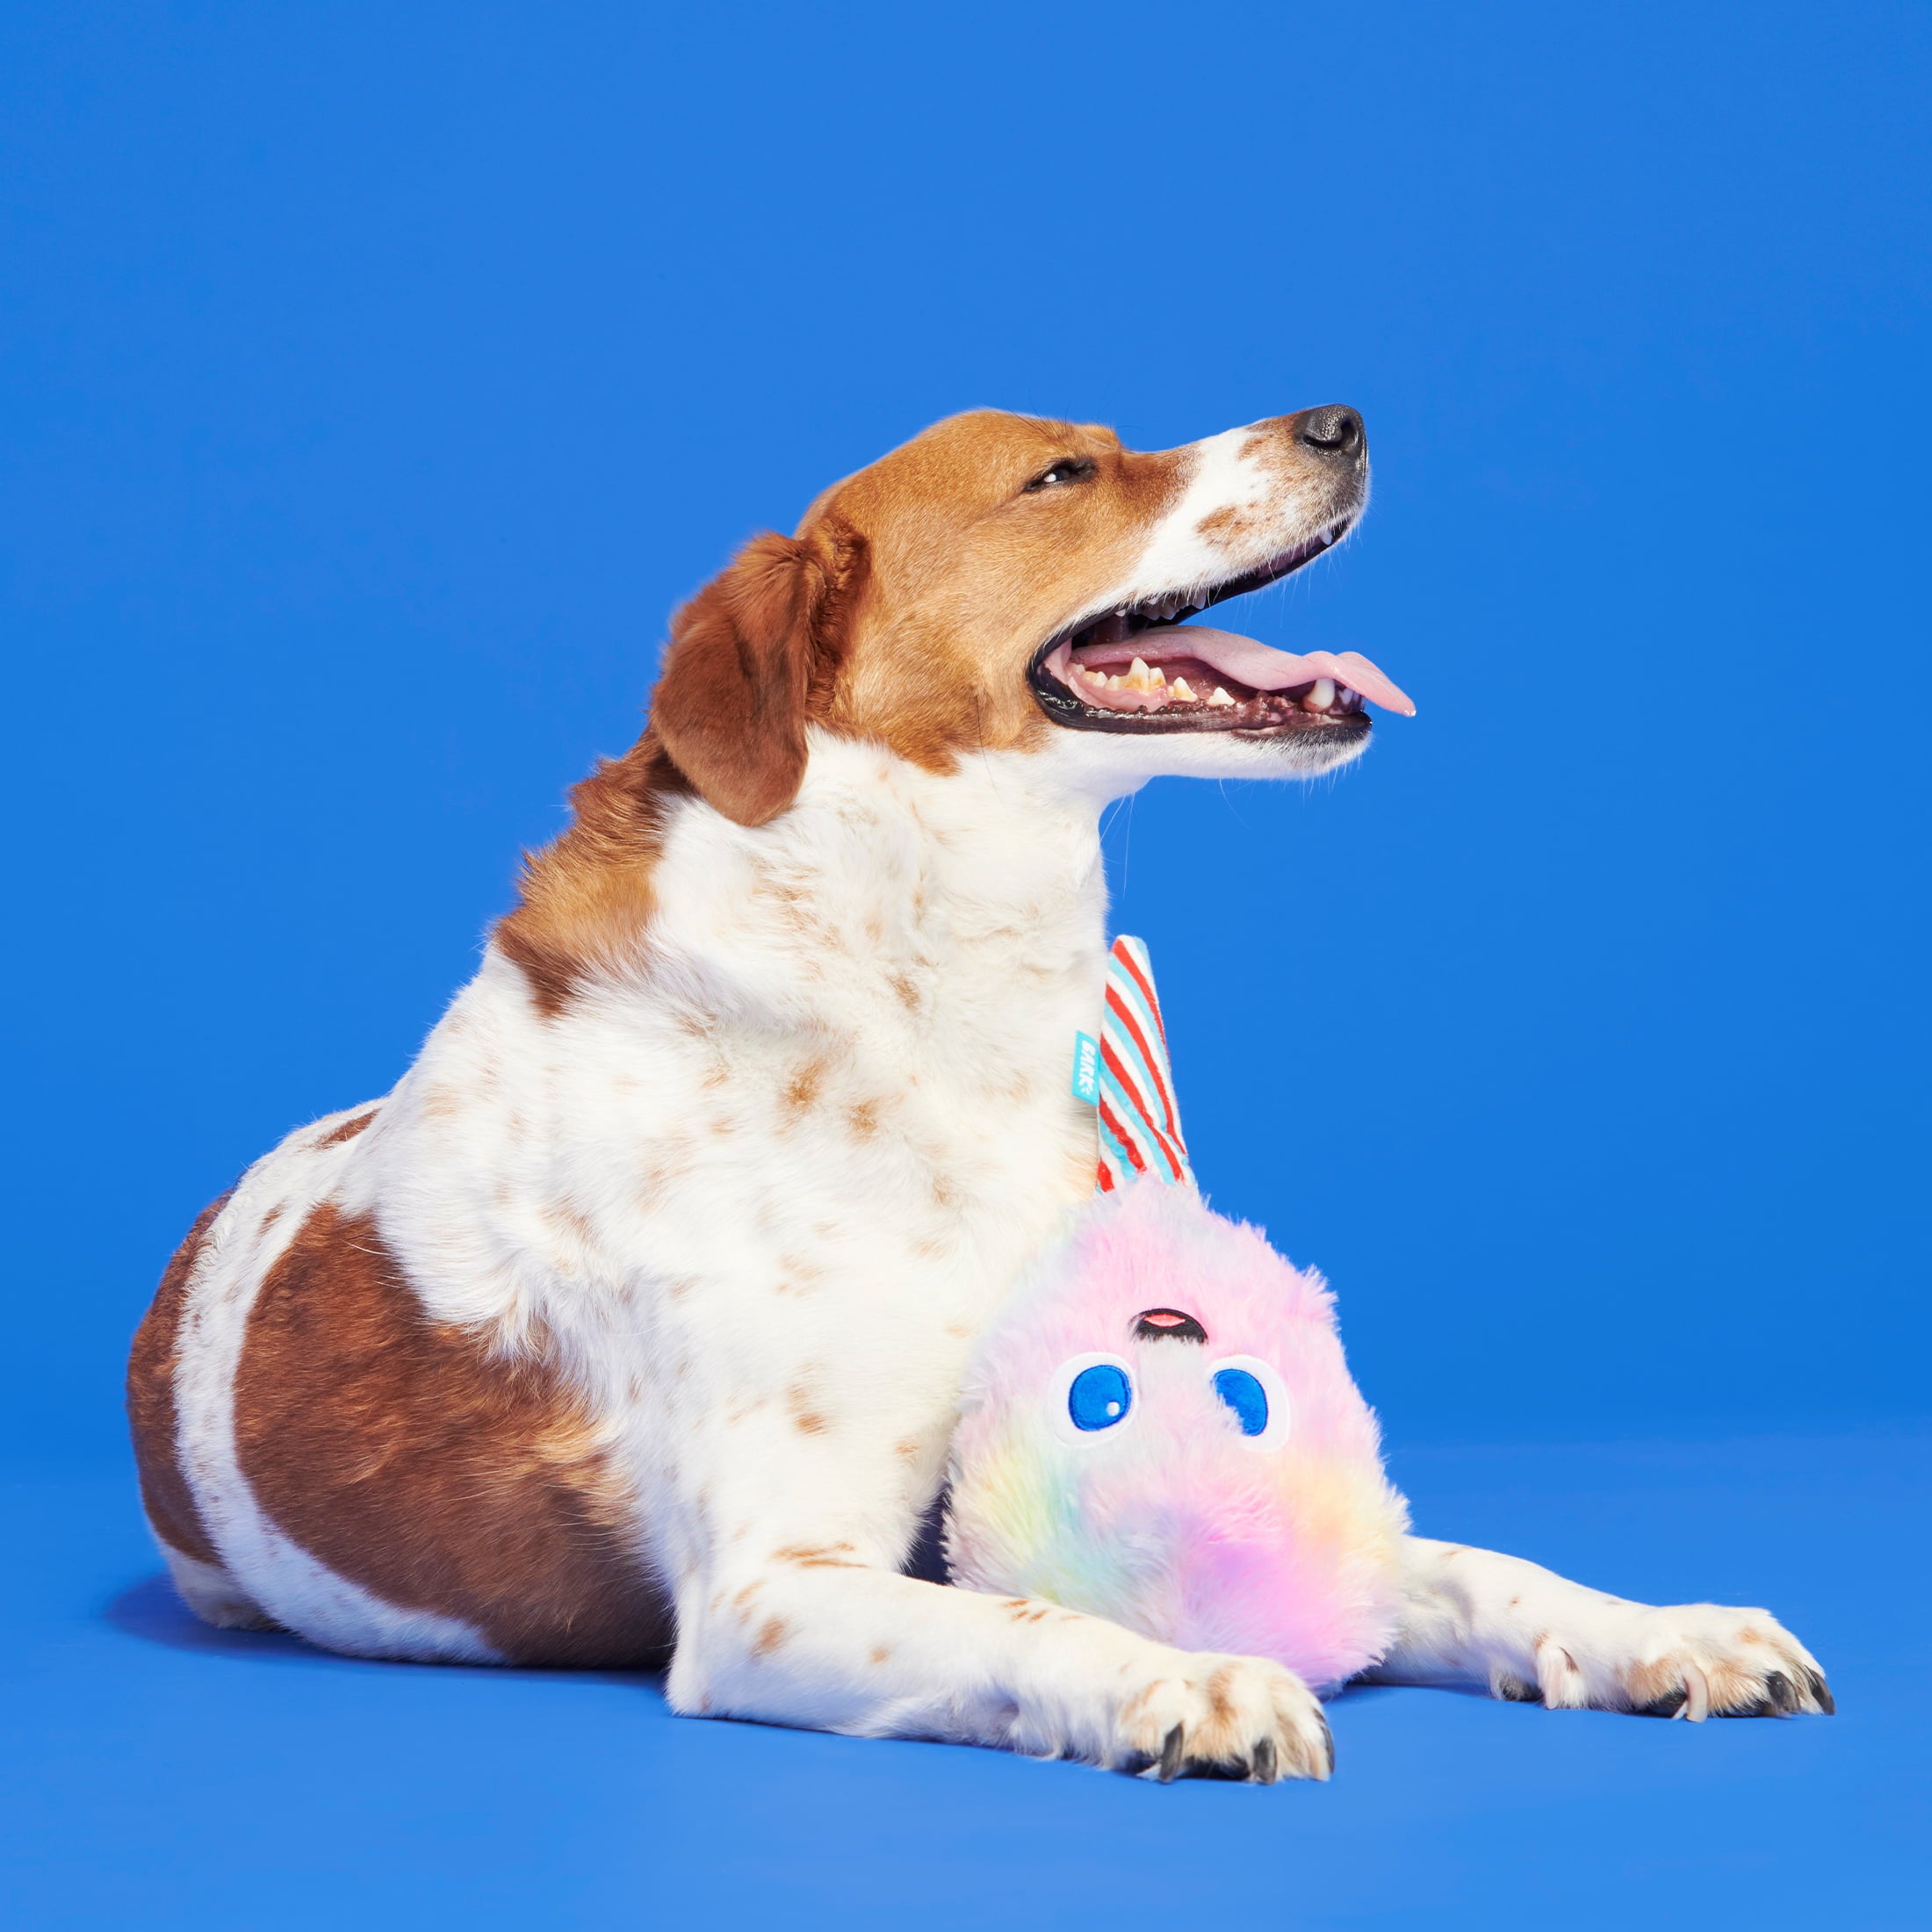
point(1159, 1427)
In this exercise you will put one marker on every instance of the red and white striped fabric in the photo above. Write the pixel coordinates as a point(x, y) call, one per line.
point(1139, 1117)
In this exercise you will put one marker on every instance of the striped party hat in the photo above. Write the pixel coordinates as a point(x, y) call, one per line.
point(1133, 1081)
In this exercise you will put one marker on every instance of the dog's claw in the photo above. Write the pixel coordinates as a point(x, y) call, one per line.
point(1263, 1770)
point(1171, 1754)
point(1696, 1706)
point(1328, 1738)
point(1821, 1693)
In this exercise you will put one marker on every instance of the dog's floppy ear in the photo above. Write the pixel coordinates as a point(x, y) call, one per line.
point(745, 658)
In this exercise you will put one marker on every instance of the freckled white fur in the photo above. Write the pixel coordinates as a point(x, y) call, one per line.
point(758, 1185)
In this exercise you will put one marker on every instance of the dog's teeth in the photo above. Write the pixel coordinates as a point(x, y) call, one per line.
point(1181, 693)
point(1138, 678)
point(1322, 696)
point(1351, 701)
point(1219, 697)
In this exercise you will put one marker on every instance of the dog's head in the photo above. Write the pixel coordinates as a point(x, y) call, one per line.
point(1003, 582)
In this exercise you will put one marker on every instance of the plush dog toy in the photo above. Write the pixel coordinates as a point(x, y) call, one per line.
point(1159, 1426)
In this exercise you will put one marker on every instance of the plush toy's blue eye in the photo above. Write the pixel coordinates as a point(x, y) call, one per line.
point(1099, 1396)
point(1244, 1394)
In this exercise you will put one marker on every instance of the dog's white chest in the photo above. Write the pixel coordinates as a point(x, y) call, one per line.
point(819, 1125)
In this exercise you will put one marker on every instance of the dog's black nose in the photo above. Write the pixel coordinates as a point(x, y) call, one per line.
point(1336, 430)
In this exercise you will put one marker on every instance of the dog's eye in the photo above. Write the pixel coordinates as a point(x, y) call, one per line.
point(1253, 1393)
point(1091, 1393)
point(1070, 469)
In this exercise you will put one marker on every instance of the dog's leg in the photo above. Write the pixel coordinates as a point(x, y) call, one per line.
point(812, 1635)
point(1472, 1616)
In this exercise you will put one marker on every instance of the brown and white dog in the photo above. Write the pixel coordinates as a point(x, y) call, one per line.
point(629, 1325)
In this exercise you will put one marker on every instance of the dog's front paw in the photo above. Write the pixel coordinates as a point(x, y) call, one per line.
point(1209, 1716)
point(1689, 1660)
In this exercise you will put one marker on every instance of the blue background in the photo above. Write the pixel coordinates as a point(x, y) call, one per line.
point(373, 382)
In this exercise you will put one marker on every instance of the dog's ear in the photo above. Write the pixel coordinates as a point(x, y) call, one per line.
point(747, 656)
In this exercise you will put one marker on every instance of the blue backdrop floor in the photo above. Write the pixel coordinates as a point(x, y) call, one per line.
point(164, 1775)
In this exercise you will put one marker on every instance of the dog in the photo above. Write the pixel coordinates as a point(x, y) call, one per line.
point(627, 1329)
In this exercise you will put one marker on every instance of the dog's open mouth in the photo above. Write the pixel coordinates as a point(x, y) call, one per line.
point(1144, 669)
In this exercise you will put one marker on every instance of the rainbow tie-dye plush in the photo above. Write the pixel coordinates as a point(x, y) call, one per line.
point(1160, 1426)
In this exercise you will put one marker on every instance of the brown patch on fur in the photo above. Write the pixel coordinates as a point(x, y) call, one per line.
point(907, 1451)
point(1237, 526)
point(586, 898)
point(819, 1556)
point(797, 1277)
point(1220, 1706)
point(863, 1119)
point(800, 1093)
point(152, 1419)
point(808, 1421)
point(348, 1129)
point(751, 661)
point(1733, 1687)
point(574, 1221)
point(771, 1635)
point(880, 1652)
point(409, 1458)
point(1649, 1683)
point(273, 1216)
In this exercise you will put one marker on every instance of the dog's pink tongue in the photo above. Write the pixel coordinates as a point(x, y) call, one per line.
point(1259, 666)
point(1267, 669)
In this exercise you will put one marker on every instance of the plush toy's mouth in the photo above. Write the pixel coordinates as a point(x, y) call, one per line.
point(1143, 667)
point(1168, 1325)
